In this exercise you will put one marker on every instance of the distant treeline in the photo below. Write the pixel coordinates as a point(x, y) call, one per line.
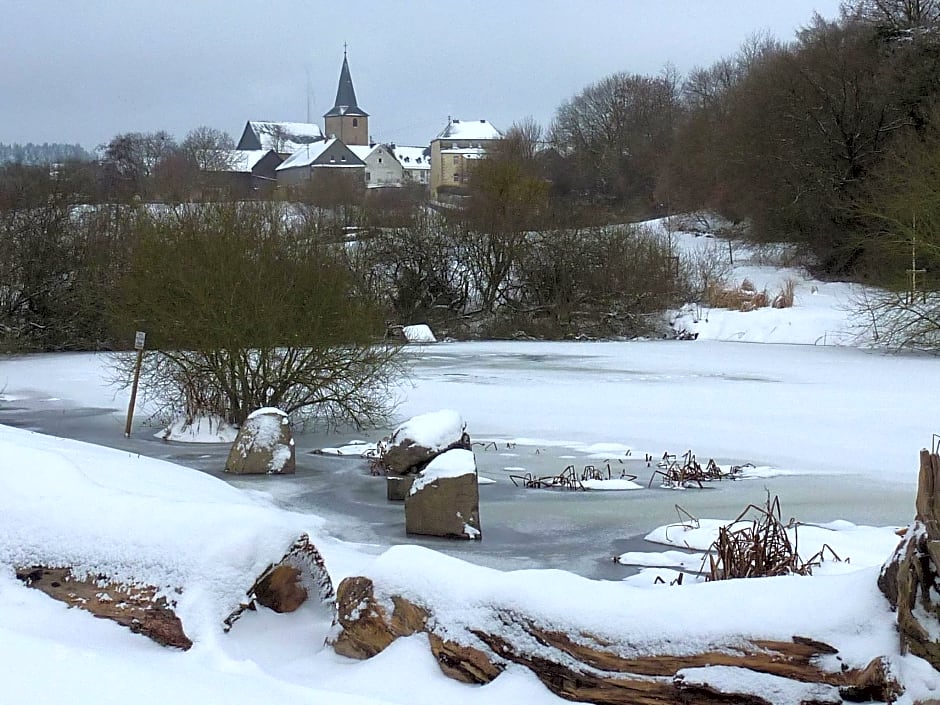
point(45, 153)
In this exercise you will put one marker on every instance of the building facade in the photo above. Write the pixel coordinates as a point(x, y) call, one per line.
point(454, 151)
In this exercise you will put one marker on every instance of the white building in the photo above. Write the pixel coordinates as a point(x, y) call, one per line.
point(382, 168)
point(455, 149)
point(415, 161)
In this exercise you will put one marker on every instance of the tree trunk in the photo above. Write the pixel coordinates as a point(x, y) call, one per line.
point(585, 668)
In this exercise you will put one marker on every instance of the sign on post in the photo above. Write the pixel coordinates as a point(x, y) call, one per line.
point(139, 338)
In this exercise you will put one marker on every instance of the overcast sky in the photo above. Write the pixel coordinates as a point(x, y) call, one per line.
point(85, 70)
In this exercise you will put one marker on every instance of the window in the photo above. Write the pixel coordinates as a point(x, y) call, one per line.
point(355, 122)
point(368, 176)
point(380, 160)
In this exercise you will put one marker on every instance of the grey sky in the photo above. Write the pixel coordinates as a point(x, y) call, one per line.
point(85, 70)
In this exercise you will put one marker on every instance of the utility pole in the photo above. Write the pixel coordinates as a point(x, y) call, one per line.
point(914, 271)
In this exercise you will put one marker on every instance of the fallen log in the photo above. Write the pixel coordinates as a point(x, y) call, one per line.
point(136, 607)
point(282, 587)
point(585, 668)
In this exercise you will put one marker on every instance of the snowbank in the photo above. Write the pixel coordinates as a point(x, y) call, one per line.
point(203, 429)
point(846, 611)
point(418, 334)
point(136, 519)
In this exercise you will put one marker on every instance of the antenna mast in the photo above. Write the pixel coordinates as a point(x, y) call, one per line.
point(307, 72)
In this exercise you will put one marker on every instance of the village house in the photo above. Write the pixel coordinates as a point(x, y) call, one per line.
point(415, 163)
point(382, 167)
point(316, 161)
point(284, 138)
point(307, 152)
point(454, 151)
point(244, 172)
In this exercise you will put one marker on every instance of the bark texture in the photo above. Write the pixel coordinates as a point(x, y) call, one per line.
point(911, 577)
point(136, 607)
point(585, 668)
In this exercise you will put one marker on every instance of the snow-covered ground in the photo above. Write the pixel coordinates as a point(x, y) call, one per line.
point(805, 407)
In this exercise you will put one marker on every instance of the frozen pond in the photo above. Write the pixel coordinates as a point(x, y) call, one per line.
point(838, 428)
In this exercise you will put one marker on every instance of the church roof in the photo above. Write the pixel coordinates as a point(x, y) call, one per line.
point(283, 137)
point(346, 96)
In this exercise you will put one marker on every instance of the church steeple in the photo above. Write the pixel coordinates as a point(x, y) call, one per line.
point(346, 120)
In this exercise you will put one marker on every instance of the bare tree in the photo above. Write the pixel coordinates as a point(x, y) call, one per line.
point(615, 132)
point(896, 16)
point(209, 149)
point(129, 161)
point(246, 309)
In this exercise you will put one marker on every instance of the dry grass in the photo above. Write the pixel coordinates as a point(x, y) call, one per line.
point(746, 297)
point(760, 547)
point(787, 294)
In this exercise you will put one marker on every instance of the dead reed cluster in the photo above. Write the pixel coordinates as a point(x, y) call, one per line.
point(757, 545)
point(746, 297)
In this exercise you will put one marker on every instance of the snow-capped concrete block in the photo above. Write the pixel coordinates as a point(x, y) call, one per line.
point(444, 499)
point(410, 446)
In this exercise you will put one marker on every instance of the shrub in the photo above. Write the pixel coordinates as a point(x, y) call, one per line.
point(246, 308)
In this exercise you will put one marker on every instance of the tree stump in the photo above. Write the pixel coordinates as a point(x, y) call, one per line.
point(911, 577)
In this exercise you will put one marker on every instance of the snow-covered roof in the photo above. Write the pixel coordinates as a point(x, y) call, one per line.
point(241, 160)
point(412, 157)
point(469, 130)
point(363, 150)
point(285, 136)
point(307, 154)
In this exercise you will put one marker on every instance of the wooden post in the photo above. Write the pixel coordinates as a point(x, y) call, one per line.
point(139, 339)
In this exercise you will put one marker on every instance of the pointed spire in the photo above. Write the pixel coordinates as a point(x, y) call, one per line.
point(345, 93)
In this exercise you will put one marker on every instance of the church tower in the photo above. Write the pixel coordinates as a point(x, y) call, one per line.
point(346, 120)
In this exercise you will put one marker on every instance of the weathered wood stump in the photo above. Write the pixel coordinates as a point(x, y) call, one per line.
point(911, 577)
point(286, 585)
point(585, 668)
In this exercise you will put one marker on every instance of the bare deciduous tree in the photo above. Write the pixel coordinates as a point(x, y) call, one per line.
point(244, 309)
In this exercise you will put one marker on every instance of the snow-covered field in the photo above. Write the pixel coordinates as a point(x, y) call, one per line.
point(804, 407)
